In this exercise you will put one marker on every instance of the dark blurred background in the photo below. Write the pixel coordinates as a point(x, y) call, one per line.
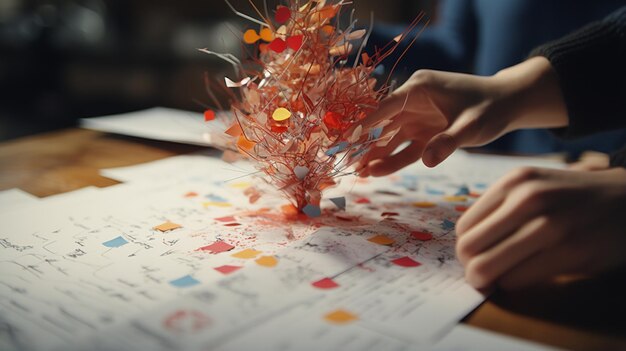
point(61, 60)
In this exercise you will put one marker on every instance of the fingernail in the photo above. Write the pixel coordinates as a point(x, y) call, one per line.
point(429, 156)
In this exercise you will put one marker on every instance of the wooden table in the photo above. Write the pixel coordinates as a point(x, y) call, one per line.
point(579, 315)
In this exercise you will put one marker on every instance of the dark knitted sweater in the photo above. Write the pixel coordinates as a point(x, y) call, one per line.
point(591, 66)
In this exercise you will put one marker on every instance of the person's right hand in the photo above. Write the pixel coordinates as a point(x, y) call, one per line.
point(438, 112)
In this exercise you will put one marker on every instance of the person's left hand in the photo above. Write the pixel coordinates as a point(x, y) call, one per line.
point(535, 224)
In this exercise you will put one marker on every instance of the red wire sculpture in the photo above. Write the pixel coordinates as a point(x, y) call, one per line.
point(302, 97)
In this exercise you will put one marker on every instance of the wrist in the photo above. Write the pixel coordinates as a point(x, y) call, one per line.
point(531, 95)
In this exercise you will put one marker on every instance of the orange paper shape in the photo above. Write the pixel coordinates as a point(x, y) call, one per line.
point(191, 194)
point(247, 254)
point(234, 130)
point(381, 240)
point(250, 36)
point(424, 204)
point(244, 143)
point(167, 226)
point(266, 34)
point(455, 198)
point(266, 261)
point(341, 317)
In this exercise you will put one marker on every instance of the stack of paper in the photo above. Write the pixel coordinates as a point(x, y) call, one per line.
point(177, 258)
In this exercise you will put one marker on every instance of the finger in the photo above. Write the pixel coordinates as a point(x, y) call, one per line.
point(476, 213)
point(382, 151)
point(571, 257)
point(390, 164)
point(442, 145)
point(410, 97)
point(538, 234)
point(388, 108)
point(514, 211)
point(377, 153)
point(494, 196)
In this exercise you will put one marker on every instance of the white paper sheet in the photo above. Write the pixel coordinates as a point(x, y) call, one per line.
point(15, 198)
point(160, 123)
point(91, 267)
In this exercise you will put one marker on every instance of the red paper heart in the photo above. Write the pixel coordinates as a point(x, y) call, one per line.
point(277, 45)
point(325, 283)
point(295, 42)
point(406, 262)
point(282, 14)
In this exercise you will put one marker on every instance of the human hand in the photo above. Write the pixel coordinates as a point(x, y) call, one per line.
point(535, 224)
point(438, 112)
point(591, 161)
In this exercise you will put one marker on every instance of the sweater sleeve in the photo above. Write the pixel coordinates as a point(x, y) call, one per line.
point(618, 158)
point(591, 66)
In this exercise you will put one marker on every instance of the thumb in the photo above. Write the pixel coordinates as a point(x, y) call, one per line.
point(445, 143)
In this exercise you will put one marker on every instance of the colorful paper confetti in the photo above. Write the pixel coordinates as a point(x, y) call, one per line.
point(423, 236)
point(455, 198)
point(167, 226)
point(217, 247)
point(381, 240)
point(215, 204)
point(363, 200)
point(117, 242)
point(227, 269)
point(247, 254)
point(266, 261)
point(340, 202)
point(325, 283)
point(209, 115)
point(184, 282)
point(424, 204)
point(406, 262)
point(226, 219)
point(447, 225)
point(340, 316)
point(312, 211)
